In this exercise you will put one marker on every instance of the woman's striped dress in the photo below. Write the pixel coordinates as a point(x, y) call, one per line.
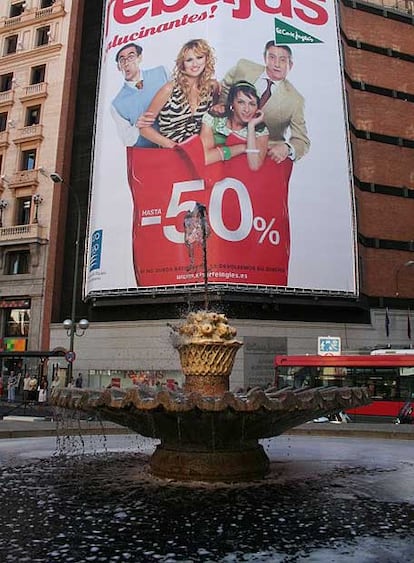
point(176, 121)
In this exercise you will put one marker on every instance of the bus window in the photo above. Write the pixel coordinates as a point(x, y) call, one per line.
point(297, 377)
point(388, 377)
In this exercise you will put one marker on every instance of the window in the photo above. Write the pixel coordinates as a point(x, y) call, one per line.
point(46, 3)
point(32, 115)
point(17, 8)
point(17, 262)
point(17, 322)
point(37, 74)
point(6, 82)
point(42, 36)
point(10, 44)
point(24, 205)
point(28, 159)
point(3, 121)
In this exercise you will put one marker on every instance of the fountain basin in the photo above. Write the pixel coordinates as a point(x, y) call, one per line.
point(210, 438)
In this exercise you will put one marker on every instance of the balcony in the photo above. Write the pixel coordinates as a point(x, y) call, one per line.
point(34, 91)
point(12, 22)
point(29, 133)
point(24, 179)
point(44, 12)
point(33, 15)
point(21, 233)
point(6, 98)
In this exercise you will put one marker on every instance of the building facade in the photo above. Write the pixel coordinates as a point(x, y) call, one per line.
point(37, 69)
point(130, 333)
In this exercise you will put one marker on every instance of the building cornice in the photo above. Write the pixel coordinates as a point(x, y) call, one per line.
point(40, 52)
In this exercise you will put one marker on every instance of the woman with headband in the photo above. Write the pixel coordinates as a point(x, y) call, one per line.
point(241, 130)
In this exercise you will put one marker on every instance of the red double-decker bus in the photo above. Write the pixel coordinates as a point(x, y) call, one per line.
point(389, 378)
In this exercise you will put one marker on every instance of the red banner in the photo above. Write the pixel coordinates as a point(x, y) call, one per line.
point(247, 212)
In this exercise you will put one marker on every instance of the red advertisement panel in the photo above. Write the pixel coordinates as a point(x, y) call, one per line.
point(247, 212)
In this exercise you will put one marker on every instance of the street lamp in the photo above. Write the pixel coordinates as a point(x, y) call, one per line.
point(70, 324)
point(71, 328)
point(407, 264)
point(3, 205)
point(83, 325)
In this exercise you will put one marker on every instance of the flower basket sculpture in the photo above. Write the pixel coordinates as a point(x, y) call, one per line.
point(207, 351)
point(207, 366)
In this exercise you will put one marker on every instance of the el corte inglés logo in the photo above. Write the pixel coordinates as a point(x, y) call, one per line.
point(285, 33)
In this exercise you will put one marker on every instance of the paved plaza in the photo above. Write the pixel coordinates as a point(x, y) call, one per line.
point(89, 497)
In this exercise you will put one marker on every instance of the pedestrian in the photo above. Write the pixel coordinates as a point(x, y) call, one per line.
point(42, 389)
point(26, 387)
point(405, 416)
point(33, 389)
point(11, 388)
point(55, 382)
point(79, 381)
point(171, 384)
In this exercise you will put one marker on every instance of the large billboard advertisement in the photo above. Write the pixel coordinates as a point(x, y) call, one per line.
point(227, 114)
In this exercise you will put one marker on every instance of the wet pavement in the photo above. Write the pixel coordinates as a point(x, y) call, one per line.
point(90, 497)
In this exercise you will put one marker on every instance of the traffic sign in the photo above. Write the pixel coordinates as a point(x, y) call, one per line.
point(329, 345)
point(70, 356)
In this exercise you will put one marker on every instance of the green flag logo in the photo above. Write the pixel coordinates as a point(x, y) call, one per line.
point(285, 34)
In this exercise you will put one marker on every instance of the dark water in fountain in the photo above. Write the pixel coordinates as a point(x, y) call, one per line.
point(107, 508)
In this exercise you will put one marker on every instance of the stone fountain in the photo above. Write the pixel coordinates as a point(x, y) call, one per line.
point(207, 433)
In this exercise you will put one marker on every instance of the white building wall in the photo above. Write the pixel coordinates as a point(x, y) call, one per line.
point(146, 345)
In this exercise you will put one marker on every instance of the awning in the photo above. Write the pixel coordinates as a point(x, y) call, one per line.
point(34, 354)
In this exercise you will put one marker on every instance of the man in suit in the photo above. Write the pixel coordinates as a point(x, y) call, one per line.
point(282, 105)
point(140, 86)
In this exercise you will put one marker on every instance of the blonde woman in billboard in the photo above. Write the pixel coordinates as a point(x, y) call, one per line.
point(179, 106)
point(240, 131)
